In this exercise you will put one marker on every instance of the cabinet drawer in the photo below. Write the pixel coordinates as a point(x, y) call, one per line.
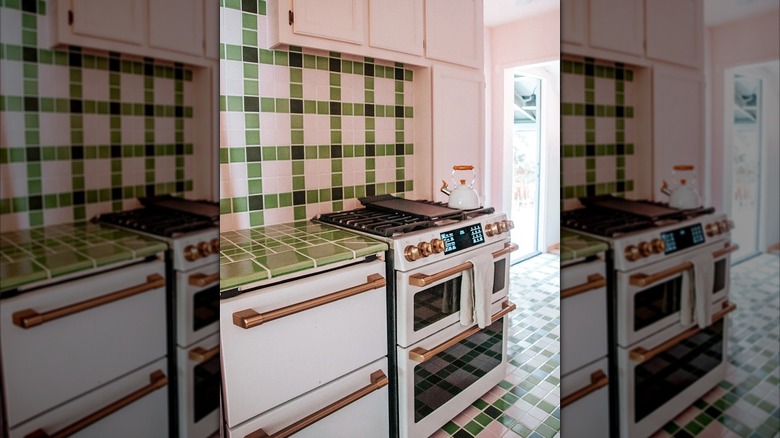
point(588, 415)
point(367, 416)
point(145, 416)
point(583, 315)
point(45, 365)
point(285, 357)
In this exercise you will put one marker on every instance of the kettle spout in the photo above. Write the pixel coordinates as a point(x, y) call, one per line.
point(444, 188)
point(665, 189)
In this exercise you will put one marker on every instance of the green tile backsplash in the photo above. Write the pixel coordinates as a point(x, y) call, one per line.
point(305, 131)
point(597, 117)
point(84, 131)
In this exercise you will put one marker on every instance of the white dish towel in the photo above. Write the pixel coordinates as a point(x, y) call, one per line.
point(476, 291)
point(703, 272)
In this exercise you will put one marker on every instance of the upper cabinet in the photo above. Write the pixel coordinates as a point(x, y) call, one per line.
point(340, 20)
point(173, 30)
point(397, 25)
point(617, 25)
point(453, 31)
point(675, 37)
point(572, 23)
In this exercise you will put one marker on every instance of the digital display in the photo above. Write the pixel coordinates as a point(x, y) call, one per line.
point(682, 238)
point(462, 238)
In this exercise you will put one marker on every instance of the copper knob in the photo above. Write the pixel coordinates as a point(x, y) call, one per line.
point(412, 253)
point(214, 243)
point(191, 253)
point(725, 225)
point(645, 249)
point(204, 249)
point(425, 248)
point(503, 227)
point(632, 253)
point(438, 245)
point(510, 225)
point(712, 230)
point(658, 246)
point(491, 230)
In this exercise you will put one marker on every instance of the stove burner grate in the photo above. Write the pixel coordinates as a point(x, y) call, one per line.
point(160, 222)
point(612, 223)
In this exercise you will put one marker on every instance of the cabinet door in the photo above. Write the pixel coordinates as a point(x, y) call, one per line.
point(396, 25)
point(176, 25)
point(674, 31)
point(583, 292)
point(573, 22)
point(117, 20)
point(617, 25)
point(587, 416)
point(453, 31)
point(678, 126)
point(211, 28)
point(340, 20)
point(458, 124)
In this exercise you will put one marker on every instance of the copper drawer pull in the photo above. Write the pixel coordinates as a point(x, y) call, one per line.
point(724, 251)
point(640, 355)
point(595, 281)
point(598, 380)
point(422, 280)
point(201, 280)
point(30, 318)
point(378, 380)
point(646, 280)
point(421, 355)
point(157, 381)
point(248, 318)
point(200, 354)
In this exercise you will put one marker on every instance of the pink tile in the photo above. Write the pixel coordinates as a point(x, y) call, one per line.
point(462, 419)
point(490, 397)
point(513, 379)
point(441, 433)
point(497, 428)
point(486, 434)
point(730, 434)
point(714, 395)
point(530, 421)
point(660, 434)
point(714, 429)
point(687, 415)
point(471, 411)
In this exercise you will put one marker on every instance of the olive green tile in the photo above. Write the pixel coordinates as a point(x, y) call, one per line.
point(327, 253)
point(242, 272)
point(106, 253)
point(285, 263)
point(363, 246)
point(66, 262)
point(18, 273)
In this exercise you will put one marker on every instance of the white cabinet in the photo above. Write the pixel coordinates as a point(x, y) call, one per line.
point(675, 37)
point(397, 25)
point(617, 25)
point(453, 31)
point(573, 23)
point(458, 123)
point(211, 28)
point(678, 123)
point(176, 25)
point(121, 21)
point(585, 401)
point(340, 20)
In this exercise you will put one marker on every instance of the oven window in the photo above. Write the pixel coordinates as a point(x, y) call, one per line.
point(663, 377)
point(206, 381)
point(437, 302)
point(499, 275)
point(656, 303)
point(720, 276)
point(447, 374)
point(205, 308)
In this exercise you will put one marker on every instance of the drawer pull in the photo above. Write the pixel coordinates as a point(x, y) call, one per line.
point(200, 355)
point(30, 318)
point(595, 281)
point(641, 355)
point(422, 280)
point(248, 318)
point(157, 381)
point(201, 280)
point(642, 280)
point(724, 251)
point(421, 355)
point(378, 380)
point(598, 380)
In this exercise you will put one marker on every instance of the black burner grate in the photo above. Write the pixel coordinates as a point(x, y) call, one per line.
point(160, 222)
point(612, 223)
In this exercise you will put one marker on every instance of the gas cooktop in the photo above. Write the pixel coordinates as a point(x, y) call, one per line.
point(157, 221)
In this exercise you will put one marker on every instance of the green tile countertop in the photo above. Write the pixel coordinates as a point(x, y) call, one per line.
point(29, 256)
point(270, 252)
point(577, 246)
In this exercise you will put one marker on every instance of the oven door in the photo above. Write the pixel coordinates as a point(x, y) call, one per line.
point(667, 372)
point(722, 271)
point(199, 388)
point(197, 303)
point(441, 376)
point(429, 296)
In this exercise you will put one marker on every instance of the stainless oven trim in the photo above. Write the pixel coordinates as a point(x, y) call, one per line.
point(187, 426)
point(185, 293)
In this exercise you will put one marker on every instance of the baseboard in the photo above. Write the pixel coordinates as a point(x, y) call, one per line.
point(773, 248)
point(555, 248)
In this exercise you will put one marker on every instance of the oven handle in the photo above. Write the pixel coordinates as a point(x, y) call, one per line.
point(249, 318)
point(30, 318)
point(595, 281)
point(641, 355)
point(598, 380)
point(157, 381)
point(201, 279)
point(724, 251)
point(422, 280)
point(421, 355)
point(378, 380)
point(200, 354)
point(643, 280)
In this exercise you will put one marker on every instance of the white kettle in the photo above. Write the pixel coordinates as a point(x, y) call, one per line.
point(462, 196)
point(683, 195)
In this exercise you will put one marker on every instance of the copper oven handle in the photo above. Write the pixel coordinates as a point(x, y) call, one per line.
point(248, 318)
point(201, 280)
point(378, 380)
point(640, 355)
point(595, 281)
point(30, 318)
point(421, 355)
point(200, 354)
point(422, 280)
point(598, 380)
point(646, 280)
point(724, 251)
point(157, 381)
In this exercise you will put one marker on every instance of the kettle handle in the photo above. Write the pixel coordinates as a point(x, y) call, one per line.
point(462, 167)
